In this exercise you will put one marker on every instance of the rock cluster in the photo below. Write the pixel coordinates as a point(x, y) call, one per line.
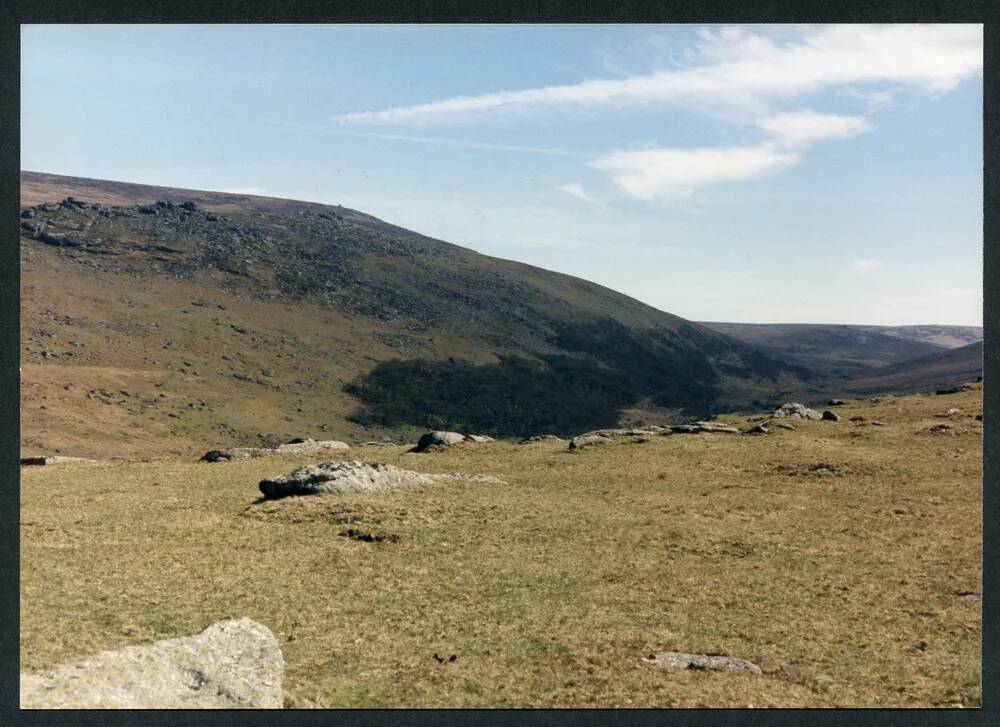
point(233, 664)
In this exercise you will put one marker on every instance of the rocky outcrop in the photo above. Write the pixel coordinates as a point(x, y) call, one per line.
point(233, 664)
point(353, 476)
point(309, 445)
point(794, 410)
point(701, 662)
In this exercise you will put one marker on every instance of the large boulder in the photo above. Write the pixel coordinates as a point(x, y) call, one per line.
point(354, 476)
point(438, 439)
point(794, 410)
point(234, 664)
point(830, 416)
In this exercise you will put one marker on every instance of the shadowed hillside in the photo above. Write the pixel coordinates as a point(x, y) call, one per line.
point(164, 320)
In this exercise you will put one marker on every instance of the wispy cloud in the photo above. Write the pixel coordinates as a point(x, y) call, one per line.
point(434, 140)
point(575, 189)
point(865, 266)
point(736, 67)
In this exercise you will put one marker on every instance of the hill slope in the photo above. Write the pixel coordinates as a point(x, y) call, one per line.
point(175, 320)
point(938, 370)
point(835, 350)
point(944, 336)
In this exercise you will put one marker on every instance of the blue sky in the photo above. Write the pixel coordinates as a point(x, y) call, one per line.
point(826, 174)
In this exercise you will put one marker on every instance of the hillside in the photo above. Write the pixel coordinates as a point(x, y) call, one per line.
point(944, 336)
point(834, 350)
point(927, 373)
point(161, 321)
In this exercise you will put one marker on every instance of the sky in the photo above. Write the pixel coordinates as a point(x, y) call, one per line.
point(763, 174)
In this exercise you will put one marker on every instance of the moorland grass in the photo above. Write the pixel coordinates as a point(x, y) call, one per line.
point(829, 555)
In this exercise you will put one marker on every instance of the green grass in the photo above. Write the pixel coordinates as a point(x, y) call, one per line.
point(549, 589)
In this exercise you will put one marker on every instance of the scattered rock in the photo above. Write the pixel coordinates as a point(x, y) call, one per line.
point(794, 410)
point(588, 440)
point(701, 662)
point(479, 438)
point(40, 461)
point(368, 537)
point(835, 402)
point(952, 413)
point(225, 455)
point(952, 390)
point(783, 424)
point(970, 596)
point(685, 429)
point(713, 427)
point(877, 424)
point(940, 429)
point(234, 664)
point(830, 416)
point(979, 417)
point(354, 476)
point(858, 419)
point(757, 429)
point(438, 439)
point(27, 214)
point(541, 438)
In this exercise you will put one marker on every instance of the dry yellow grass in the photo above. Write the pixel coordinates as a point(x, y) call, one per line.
point(839, 580)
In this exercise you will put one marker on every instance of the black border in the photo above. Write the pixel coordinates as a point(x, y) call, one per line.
point(473, 11)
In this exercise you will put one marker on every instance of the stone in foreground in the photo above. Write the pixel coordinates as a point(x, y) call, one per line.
point(234, 664)
point(354, 476)
point(701, 662)
point(794, 410)
point(830, 416)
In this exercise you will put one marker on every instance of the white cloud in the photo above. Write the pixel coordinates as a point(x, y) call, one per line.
point(575, 189)
point(665, 173)
point(738, 69)
point(798, 128)
point(865, 266)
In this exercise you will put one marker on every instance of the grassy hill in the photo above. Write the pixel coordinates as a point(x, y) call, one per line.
point(163, 321)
